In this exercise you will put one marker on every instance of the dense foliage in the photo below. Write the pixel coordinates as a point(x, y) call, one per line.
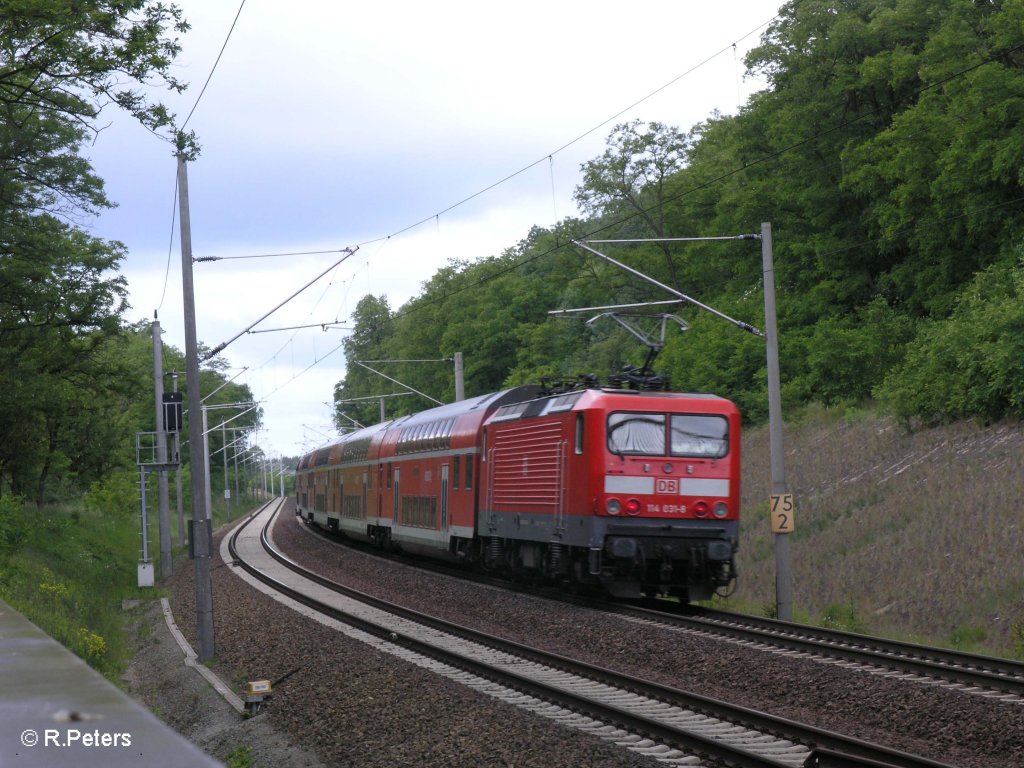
point(77, 382)
point(887, 152)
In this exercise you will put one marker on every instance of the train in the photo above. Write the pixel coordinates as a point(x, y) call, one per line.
point(632, 493)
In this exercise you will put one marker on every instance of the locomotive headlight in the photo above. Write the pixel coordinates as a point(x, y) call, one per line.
point(721, 509)
point(613, 506)
point(633, 507)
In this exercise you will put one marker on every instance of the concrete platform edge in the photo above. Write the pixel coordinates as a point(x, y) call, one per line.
point(192, 660)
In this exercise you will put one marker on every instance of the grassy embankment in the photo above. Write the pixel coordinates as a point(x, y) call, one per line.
point(914, 535)
point(68, 568)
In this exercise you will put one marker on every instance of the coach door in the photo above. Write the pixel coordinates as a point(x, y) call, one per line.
point(398, 494)
point(444, 499)
point(366, 489)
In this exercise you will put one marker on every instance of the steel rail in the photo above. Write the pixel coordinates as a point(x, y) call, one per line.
point(822, 743)
point(973, 670)
point(989, 673)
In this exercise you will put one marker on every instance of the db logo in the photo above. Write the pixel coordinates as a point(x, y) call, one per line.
point(666, 485)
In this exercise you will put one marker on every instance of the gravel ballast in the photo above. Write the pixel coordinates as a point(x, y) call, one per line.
point(354, 706)
point(351, 705)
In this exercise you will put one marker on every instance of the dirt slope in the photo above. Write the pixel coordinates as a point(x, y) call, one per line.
point(919, 534)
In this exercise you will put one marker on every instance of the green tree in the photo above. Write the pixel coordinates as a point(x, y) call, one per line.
point(971, 364)
point(61, 299)
point(942, 178)
point(368, 341)
point(629, 183)
point(70, 60)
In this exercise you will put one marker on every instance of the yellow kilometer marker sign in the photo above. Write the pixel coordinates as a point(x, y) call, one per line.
point(782, 510)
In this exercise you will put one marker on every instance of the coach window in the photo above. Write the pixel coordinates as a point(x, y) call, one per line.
point(579, 433)
point(469, 472)
point(389, 477)
point(456, 468)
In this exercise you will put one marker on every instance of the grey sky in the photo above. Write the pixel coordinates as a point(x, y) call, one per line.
point(331, 124)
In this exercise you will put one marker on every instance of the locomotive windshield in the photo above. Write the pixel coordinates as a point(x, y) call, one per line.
point(706, 436)
point(637, 433)
point(648, 434)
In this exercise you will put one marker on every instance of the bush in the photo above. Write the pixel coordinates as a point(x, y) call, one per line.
point(13, 528)
point(116, 494)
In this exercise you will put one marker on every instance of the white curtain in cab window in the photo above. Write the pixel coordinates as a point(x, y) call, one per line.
point(642, 433)
point(704, 436)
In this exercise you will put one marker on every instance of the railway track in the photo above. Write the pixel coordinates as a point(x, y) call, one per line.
point(981, 675)
point(985, 676)
point(674, 726)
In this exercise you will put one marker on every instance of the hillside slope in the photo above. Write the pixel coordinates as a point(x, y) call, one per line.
point(915, 534)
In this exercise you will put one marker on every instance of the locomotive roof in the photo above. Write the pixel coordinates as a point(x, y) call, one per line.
point(587, 398)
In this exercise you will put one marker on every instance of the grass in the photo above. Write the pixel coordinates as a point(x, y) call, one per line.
point(912, 535)
point(68, 574)
point(68, 567)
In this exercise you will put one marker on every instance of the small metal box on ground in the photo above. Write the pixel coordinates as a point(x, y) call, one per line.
point(256, 692)
point(145, 574)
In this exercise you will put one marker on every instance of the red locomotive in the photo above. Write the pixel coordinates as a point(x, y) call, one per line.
point(637, 492)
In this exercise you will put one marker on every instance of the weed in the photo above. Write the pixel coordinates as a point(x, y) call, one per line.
point(53, 588)
point(843, 618)
point(89, 645)
point(241, 757)
point(967, 638)
point(1018, 639)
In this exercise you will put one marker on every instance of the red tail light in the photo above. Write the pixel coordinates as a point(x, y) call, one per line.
point(633, 507)
point(700, 509)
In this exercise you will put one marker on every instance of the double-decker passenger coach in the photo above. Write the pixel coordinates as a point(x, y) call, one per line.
point(636, 492)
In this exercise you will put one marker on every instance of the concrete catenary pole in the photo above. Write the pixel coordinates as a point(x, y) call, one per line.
point(201, 531)
point(207, 490)
point(224, 450)
point(164, 511)
point(234, 452)
point(783, 570)
point(460, 380)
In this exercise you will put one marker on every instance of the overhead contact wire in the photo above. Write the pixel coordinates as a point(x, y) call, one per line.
point(214, 68)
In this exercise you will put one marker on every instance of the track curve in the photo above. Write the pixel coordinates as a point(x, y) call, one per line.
point(412, 631)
